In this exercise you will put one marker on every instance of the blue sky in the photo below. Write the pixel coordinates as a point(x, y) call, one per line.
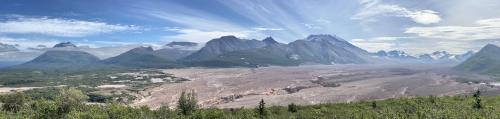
point(414, 26)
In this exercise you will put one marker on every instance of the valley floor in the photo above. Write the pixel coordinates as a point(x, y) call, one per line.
point(313, 84)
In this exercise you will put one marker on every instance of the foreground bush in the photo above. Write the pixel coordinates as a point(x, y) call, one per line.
point(70, 105)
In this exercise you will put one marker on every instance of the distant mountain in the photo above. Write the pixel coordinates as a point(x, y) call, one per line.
point(141, 57)
point(270, 41)
point(394, 54)
point(486, 61)
point(327, 49)
point(61, 60)
point(64, 57)
point(225, 44)
point(443, 57)
point(65, 45)
point(7, 48)
point(274, 53)
point(177, 50)
point(317, 49)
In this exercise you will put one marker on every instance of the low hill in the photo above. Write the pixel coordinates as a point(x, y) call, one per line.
point(62, 61)
point(141, 57)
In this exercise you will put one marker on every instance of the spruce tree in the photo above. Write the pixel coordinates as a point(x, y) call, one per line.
point(292, 108)
point(261, 109)
point(477, 98)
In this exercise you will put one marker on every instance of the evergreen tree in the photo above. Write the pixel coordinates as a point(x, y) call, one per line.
point(374, 104)
point(292, 108)
point(261, 109)
point(477, 98)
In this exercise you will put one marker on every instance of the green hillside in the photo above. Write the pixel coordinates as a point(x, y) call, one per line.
point(486, 61)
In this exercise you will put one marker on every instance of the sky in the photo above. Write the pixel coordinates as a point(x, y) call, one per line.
point(414, 26)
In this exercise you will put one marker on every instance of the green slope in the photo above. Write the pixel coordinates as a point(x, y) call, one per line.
point(486, 61)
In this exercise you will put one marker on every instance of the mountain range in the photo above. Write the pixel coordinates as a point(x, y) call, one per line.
point(438, 57)
point(230, 51)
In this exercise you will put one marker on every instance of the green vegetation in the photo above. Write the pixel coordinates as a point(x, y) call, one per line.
point(187, 103)
point(19, 78)
point(70, 104)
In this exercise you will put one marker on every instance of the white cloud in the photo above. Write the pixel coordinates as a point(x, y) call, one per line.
point(200, 36)
point(373, 8)
point(59, 27)
point(484, 29)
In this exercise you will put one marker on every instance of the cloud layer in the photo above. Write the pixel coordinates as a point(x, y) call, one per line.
point(58, 27)
point(373, 8)
point(484, 29)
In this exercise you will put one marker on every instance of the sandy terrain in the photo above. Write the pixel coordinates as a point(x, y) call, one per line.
point(313, 84)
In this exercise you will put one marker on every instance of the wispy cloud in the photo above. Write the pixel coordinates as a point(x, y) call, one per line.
point(484, 29)
point(374, 8)
point(59, 27)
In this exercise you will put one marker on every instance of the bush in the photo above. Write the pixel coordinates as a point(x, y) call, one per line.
point(13, 102)
point(187, 103)
point(292, 108)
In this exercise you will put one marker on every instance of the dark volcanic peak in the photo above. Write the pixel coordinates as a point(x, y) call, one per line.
point(184, 44)
point(270, 40)
point(65, 45)
point(224, 44)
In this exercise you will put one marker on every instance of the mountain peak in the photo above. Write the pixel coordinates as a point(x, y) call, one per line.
point(321, 36)
point(270, 40)
point(228, 37)
point(326, 37)
point(65, 45)
point(488, 46)
point(63, 56)
point(142, 49)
